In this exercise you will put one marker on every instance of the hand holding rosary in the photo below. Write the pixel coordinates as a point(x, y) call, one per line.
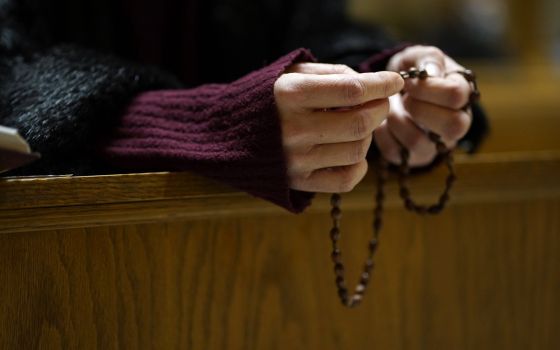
point(446, 156)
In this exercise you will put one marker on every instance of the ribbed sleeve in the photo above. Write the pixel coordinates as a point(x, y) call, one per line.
point(228, 132)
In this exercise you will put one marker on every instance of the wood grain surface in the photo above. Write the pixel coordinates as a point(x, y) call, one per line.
point(142, 198)
point(480, 276)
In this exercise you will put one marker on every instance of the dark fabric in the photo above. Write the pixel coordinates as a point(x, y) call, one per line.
point(69, 70)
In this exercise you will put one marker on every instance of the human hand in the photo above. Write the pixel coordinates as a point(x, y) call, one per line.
point(434, 104)
point(327, 114)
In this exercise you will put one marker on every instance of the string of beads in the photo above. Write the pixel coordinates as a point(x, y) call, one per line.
point(353, 299)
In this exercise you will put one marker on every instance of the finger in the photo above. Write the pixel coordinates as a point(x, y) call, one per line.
point(339, 90)
point(335, 126)
point(450, 124)
point(332, 180)
point(330, 155)
point(450, 92)
point(388, 146)
point(412, 137)
point(390, 149)
point(320, 68)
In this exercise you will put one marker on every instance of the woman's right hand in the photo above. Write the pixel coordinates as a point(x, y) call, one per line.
point(328, 114)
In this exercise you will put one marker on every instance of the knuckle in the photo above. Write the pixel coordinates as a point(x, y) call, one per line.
point(366, 120)
point(415, 140)
point(457, 126)
point(359, 151)
point(411, 105)
point(301, 182)
point(347, 181)
point(422, 159)
point(458, 96)
point(385, 106)
point(293, 89)
point(354, 90)
point(349, 178)
point(343, 68)
point(293, 133)
point(294, 162)
point(361, 125)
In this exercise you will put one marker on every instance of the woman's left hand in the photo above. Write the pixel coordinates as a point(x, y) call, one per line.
point(433, 104)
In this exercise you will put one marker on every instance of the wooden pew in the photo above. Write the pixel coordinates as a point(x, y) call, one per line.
point(171, 260)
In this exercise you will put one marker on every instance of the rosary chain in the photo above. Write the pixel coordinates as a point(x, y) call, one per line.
point(354, 299)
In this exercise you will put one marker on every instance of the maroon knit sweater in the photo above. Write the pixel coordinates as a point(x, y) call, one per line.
point(229, 132)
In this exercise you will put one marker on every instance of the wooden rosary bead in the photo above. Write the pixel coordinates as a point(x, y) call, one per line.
point(440, 147)
point(338, 267)
point(336, 213)
point(336, 256)
point(335, 200)
point(364, 278)
point(340, 283)
point(360, 289)
point(372, 245)
point(368, 266)
point(335, 234)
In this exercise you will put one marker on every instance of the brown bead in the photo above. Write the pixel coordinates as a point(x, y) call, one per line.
point(340, 283)
point(378, 211)
point(368, 266)
point(364, 278)
point(469, 75)
point(444, 198)
point(421, 209)
point(435, 138)
point(413, 72)
point(343, 293)
point(372, 245)
point(404, 153)
point(335, 234)
point(336, 256)
point(356, 300)
point(409, 204)
point(404, 192)
point(360, 289)
point(339, 270)
point(336, 213)
point(423, 74)
point(450, 180)
point(335, 200)
point(474, 97)
point(377, 224)
point(435, 209)
point(441, 148)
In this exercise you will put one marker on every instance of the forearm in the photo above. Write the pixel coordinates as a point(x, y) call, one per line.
point(228, 132)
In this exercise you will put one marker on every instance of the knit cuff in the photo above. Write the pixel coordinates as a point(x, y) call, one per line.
point(228, 132)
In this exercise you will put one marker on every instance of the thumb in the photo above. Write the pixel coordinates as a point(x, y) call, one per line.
point(320, 68)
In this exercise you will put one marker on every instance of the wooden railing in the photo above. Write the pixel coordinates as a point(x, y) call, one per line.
point(171, 260)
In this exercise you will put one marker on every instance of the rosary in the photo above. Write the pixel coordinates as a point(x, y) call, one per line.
point(446, 155)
